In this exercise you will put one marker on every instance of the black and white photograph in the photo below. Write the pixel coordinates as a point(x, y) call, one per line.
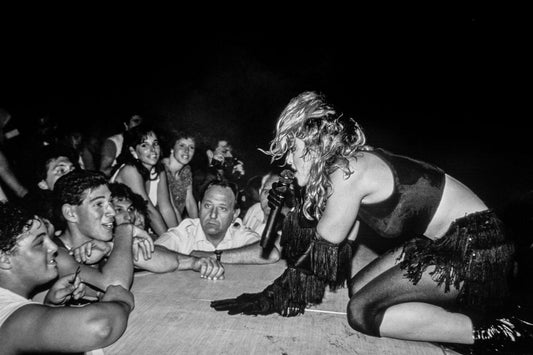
point(318, 181)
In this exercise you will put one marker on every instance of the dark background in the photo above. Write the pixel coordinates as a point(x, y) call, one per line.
point(447, 86)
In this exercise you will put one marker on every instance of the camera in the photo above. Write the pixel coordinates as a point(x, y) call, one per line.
point(227, 163)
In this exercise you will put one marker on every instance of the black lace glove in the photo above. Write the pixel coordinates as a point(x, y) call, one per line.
point(509, 333)
point(247, 303)
point(282, 191)
point(288, 295)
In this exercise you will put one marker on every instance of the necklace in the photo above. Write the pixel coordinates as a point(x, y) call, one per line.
point(153, 174)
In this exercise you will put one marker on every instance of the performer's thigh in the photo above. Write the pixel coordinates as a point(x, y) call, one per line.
point(367, 305)
point(362, 256)
point(373, 269)
point(392, 287)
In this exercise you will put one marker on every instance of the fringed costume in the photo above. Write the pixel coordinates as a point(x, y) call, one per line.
point(313, 264)
point(473, 252)
point(475, 257)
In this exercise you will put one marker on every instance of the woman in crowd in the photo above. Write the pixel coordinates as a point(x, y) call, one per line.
point(179, 174)
point(139, 168)
point(445, 285)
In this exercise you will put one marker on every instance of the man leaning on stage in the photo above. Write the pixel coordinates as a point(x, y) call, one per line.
point(218, 232)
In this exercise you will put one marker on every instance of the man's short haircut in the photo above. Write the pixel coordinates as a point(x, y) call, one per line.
point(123, 192)
point(14, 221)
point(224, 183)
point(72, 188)
point(182, 133)
point(49, 153)
point(254, 183)
point(267, 177)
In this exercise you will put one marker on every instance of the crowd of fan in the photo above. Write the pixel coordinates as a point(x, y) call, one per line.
point(93, 210)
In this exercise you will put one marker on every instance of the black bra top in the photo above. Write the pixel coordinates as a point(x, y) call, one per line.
point(416, 195)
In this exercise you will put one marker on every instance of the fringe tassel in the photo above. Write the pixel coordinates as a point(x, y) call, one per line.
point(294, 290)
point(331, 262)
point(473, 256)
point(295, 239)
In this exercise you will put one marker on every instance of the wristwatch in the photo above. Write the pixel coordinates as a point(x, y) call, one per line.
point(218, 253)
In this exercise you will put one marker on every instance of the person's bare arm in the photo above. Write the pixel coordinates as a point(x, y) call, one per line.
point(248, 254)
point(39, 328)
point(162, 260)
point(3, 197)
point(343, 204)
point(190, 203)
point(117, 270)
point(119, 265)
point(146, 256)
point(178, 214)
point(208, 268)
point(107, 156)
point(163, 202)
point(179, 217)
point(9, 177)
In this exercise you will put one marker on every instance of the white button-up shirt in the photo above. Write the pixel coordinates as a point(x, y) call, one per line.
point(189, 236)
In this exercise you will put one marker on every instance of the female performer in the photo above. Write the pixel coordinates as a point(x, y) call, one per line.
point(441, 286)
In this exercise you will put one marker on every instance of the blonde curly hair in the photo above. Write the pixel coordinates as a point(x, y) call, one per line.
point(332, 136)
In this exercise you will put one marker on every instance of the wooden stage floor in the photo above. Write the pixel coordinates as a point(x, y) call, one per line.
point(173, 316)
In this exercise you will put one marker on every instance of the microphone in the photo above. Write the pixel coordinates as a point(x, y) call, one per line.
point(269, 233)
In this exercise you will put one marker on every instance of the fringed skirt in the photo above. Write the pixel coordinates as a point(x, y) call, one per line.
point(474, 256)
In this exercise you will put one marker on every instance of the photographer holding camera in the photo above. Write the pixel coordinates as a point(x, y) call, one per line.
point(223, 161)
point(222, 165)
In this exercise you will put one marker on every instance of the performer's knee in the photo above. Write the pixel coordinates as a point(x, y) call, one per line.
point(353, 286)
point(363, 318)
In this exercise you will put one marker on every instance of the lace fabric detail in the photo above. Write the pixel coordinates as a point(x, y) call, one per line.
point(178, 184)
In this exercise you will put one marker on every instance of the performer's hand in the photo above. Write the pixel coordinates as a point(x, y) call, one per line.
point(254, 304)
point(282, 190)
point(247, 303)
point(275, 298)
point(279, 193)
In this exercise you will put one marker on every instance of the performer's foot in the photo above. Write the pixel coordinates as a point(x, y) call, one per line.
point(511, 334)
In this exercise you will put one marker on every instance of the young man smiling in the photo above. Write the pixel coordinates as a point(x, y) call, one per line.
point(83, 201)
point(92, 237)
point(27, 262)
